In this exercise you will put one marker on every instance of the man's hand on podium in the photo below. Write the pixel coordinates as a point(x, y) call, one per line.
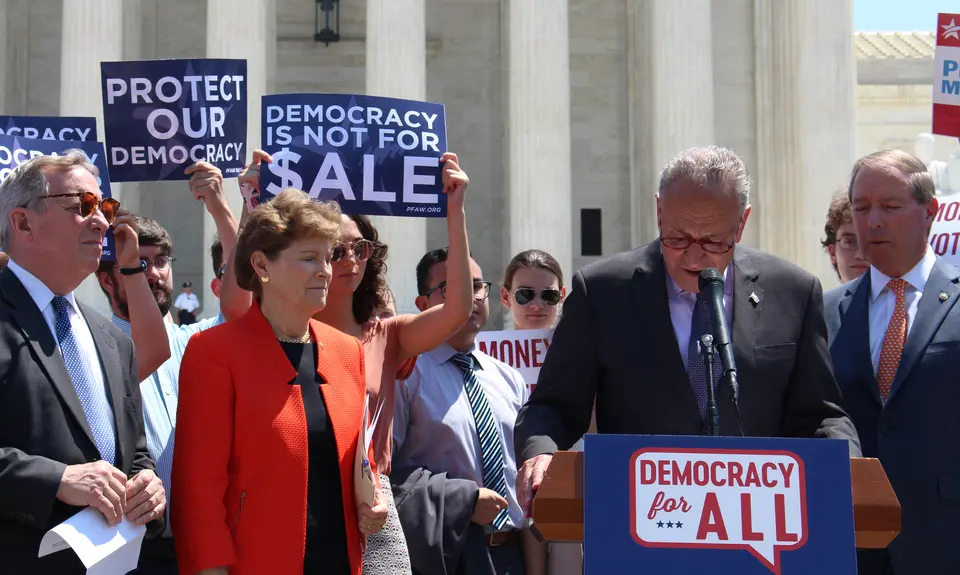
point(489, 504)
point(529, 479)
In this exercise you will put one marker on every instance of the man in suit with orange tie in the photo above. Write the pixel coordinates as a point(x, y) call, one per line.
point(894, 337)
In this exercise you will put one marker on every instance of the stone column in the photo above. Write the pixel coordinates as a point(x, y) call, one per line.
point(670, 67)
point(397, 68)
point(806, 122)
point(5, 78)
point(537, 90)
point(92, 33)
point(246, 30)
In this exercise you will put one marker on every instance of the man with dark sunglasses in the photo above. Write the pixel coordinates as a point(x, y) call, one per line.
point(71, 426)
point(632, 323)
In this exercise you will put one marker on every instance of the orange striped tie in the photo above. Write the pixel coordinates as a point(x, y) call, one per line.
point(893, 340)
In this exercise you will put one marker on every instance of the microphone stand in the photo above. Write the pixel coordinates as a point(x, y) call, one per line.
point(734, 389)
point(713, 415)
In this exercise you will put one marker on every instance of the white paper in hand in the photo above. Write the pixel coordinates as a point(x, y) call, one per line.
point(104, 549)
point(364, 484)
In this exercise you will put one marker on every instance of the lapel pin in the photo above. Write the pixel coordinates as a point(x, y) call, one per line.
point(753, 298)
point(944, 296)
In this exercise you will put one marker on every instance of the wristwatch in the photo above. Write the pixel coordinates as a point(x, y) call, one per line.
point(131, 271)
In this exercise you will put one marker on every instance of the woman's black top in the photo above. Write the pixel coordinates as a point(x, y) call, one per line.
point(326, 542)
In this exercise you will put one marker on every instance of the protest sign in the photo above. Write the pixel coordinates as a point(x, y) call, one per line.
point(946, 76)
point(162, 116)
point(945, 231)
point(49, 128)
point(15, 151)
point(377, 156)
point(523, 350)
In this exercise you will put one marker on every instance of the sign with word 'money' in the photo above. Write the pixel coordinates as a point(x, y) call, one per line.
point(377, 156)
point(162, 116)
point(523, 350)
point(15, 151)
point(49, 128)
point(946, 76)
point(721, 505)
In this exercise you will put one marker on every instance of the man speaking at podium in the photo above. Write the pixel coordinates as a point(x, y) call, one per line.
point(632, 322)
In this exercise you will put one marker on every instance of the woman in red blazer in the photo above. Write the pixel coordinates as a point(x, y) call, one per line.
point(269, 415)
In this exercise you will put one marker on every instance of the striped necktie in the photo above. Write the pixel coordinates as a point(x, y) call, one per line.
point(491, 449)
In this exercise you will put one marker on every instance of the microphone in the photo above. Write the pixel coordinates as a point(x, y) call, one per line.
point(711, 287)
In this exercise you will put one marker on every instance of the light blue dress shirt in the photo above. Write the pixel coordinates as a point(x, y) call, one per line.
point(434, 426)
point(159, 395)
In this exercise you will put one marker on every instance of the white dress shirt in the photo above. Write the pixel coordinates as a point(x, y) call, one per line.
point(681, 310)
point(434, 427)
point(882, 301)
point(43, 297)
point(187, 301)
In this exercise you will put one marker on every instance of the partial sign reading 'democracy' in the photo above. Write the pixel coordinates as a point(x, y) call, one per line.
point(15, 151)
point(161, 116)
point(377, 156)
point(49, 128)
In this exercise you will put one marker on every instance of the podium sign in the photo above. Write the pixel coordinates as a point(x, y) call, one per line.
point(719, 505)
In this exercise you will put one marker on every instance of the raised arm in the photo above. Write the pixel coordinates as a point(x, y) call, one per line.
point(422, 332)
point(147, 328)
point(206, 184)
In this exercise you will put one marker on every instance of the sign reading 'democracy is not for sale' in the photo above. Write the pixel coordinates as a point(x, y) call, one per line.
point(15, 151)
point(377, 156)
point(162, 116)
point(521, 349)
point(946, 76)
point(719, 505)
point(50, 128)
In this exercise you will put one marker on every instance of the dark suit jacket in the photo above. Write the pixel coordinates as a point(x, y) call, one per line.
point(616, 342)
point(915, 433)
point(43, 428)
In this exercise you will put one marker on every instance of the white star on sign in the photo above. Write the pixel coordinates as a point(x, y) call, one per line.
point(951, 30)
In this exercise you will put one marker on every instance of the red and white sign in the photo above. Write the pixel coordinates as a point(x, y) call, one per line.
point(945, 231)
point(946, 77)
point(523, 350)
point(719, 498)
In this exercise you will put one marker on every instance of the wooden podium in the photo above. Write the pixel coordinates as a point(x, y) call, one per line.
point(558, 504)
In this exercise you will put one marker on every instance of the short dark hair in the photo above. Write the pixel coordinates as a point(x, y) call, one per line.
point(149, 233)
point(532, 259)
point(429, 259)
point(216, 254)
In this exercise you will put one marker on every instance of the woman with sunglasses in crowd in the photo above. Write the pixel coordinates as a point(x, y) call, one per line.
point(358, 298)
point(533, 290)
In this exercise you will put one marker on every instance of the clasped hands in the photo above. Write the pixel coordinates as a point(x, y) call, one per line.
point(104, 487)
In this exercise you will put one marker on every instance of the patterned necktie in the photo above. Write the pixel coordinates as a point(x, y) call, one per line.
point(893, 339)
point(490, 448)
point(696, 370)
point(93, 400)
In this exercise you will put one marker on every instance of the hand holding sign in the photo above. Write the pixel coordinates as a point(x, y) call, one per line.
point(250, 179)
point(126, 240)
point(206, 183)
point(455, 180)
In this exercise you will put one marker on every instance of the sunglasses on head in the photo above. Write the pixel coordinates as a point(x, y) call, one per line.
point(527, 295)
point(362, 250)
point(90, 203)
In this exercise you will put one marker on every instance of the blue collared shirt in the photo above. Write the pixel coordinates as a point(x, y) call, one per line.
point(159, 395)
point(434, 426)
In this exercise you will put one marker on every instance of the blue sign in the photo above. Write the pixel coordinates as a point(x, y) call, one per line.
point(377, 156)
point(162, 116)
point(720, 505)
point(15, 151)
point(49, 128)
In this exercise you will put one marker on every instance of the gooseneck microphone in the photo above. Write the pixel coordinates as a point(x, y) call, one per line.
point(711, 287)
